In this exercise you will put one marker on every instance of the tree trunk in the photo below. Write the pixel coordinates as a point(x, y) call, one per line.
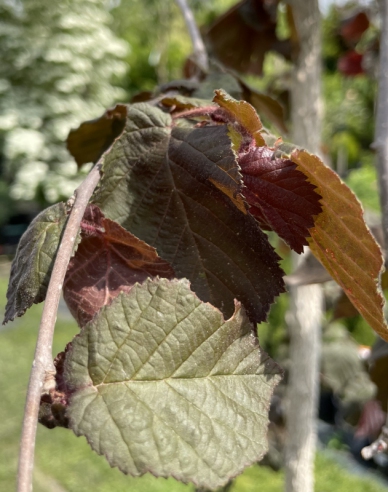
point(306, 97)
point(304, 318)
point(381, 132)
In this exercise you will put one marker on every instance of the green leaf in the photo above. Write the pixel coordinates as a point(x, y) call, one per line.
point(159, 382)
point(343, 243)
point(178, 189)
point(34, 260)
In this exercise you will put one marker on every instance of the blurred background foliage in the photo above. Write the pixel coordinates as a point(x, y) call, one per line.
point(59, 64)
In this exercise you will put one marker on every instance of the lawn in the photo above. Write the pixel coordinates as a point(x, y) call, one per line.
point(65, 463)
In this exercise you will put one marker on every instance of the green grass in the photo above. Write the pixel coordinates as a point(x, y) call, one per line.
point(65, 463)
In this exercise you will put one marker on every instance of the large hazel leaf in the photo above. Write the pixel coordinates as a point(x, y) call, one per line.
point(172, 186)
point(159, 382)
point(34, 260)
point(280, 196)
point(108, 261)
point(343, 243)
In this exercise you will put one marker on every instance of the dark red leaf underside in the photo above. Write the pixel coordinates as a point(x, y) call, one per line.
point(280, 196)
point(108, 261)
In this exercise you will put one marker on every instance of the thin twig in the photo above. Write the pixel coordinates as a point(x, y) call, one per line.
point(42, 377)
point(200, 52)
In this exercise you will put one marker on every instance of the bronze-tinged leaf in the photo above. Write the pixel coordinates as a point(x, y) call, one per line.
point(242, 36)
point(34, 260)
point(344, 308)
point(166, 185)
point(244, 122)
point(280, 196)
point(108, 261)
point(265, 105)
point(343, 243)
point(88, 142)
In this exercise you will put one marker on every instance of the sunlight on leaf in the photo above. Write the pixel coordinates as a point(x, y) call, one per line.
point(343, 243)
point(244, 121)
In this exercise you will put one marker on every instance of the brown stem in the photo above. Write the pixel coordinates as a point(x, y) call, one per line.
point(42, 376)
point(200, 52)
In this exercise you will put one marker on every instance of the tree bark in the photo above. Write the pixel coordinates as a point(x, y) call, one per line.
point(304, 318)
point(304, 321)
point(381, 131)
point(381, 146)
point(306, 94)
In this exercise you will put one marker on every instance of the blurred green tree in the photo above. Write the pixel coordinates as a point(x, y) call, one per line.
point(158, 37)
point(60, 64)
